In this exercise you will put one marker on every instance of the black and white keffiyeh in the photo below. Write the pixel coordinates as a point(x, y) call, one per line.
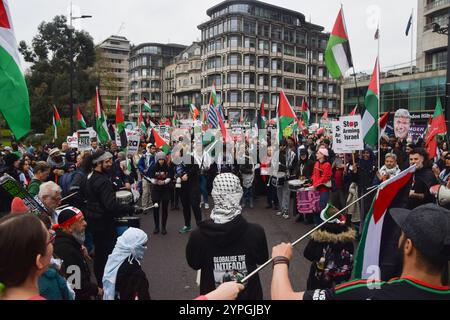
point(227, 194)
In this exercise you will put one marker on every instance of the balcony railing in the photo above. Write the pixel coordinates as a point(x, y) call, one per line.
point(437, 4)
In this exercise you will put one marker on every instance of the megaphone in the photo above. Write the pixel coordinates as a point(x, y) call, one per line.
point(443, 196)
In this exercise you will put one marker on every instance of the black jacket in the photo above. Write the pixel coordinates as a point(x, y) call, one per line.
point(227, 252)
point(423, 180)
point(68, 249)
point(101, 202)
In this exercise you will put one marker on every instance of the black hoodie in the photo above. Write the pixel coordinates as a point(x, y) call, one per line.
point(226, 252)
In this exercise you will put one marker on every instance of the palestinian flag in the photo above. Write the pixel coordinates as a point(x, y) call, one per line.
point(56, 117)
point(56, 122)
point(262, 116)
point(120, 125)
point(437, 127)
point(368, 253)
point(147, 106)
point(370, 118)
point(159, 142)
point(383, 123)
point(141, 123)
point(338, 57)
point(175, 121)
point(14, 100)
point(286, 117)
point(100, 120)
point(80, 119)
point(354, 111)
point(306, 114)
point(194, 112)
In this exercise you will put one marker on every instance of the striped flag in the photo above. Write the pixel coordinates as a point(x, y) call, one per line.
point(370, 118)
point(80, 119)
point(408, 27)
point(14, 99)
point(368, 253)
point(194, 112)
point(56, 122)
point(147, 106)
point(306, 114)
point(354, 111)
point(338, 56)
point(159, 142)
point(100, 120)
point(383, 123)
point(120, 125)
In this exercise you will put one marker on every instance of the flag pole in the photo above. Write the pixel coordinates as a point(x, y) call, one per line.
point(379, 97)
point(412, 39)
point(310, 232)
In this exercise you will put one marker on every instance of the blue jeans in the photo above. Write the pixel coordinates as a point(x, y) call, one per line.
point(248, 196)
point(203, 188)
point(324, 197)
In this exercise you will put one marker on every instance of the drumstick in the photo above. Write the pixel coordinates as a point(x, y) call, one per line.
point(156, 205)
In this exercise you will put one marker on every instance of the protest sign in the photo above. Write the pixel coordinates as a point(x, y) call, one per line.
point(84, 140)
point(347, 134)
point(134, 137)
point(73, 141)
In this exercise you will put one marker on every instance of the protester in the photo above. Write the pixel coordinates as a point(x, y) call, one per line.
point(101, 209)
point(145, 166)
point(389, 170)
point(50, 195)
point(69, 247)
point(331, 252)
point(26, 173)
point(124, 278)
point(160, 179)
point(423, 246)
point(287, 165)
point(444, 175)
point(25, 256)
point(57, 163)
point(321, 179)
point(423, 179)
point(227, 242)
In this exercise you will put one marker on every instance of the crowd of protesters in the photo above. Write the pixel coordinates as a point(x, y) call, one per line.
point(78, 230)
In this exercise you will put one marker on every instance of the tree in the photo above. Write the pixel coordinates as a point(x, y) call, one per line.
point(49, 75)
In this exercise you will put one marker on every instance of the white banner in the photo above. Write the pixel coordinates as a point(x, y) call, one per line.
point(347, 134)
point(73, 141)
point(134, 138)
point(84, 140)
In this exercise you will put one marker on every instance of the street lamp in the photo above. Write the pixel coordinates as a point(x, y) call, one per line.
point(71, 63)
point(444, 31)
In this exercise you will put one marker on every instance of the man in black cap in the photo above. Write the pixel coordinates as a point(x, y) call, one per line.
point(101, 209)
point(424, 248)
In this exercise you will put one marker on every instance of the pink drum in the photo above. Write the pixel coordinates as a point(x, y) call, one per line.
point(308, 201)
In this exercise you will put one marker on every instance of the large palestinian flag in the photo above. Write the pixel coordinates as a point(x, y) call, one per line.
point(80, 119)
point(338, 56)
point(100, 120)
point(14, 100)
point(120, 125)
point(368, 253)
point(437, 127)
point(287, 120)
point(370, 118)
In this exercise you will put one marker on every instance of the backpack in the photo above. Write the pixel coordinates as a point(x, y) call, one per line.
point(66, 182)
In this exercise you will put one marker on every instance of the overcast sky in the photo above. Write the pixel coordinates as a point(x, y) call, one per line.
point(176, 21)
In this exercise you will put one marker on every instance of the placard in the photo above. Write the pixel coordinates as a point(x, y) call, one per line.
point(73, 141)
point(84, 140)
point(134, 138)
point(347, 134)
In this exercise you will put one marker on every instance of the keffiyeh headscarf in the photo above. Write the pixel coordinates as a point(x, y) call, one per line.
point(227, 194)
point(129, 246)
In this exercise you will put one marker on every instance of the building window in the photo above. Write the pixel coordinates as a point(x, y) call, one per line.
point(300, 85)
point(276, 33)
point(249, 27)
point(300, 38)
point(249, 42)
point(300, 52)
point(263, 30)
point(289, 66)
point(289, 35)
point(276, 47)
point(249, 78)
point(263, 45)
point(276, 82)
point(263, 80)
point(249, 60)
point(234, 78)
point(234, 59)
point(234, 41)
point(234, 96)
point(300, 68)
point(289, 50)
point(263, 62)
point(235, 25)
point(276, 64)
point(249, 97)
point(289, 83)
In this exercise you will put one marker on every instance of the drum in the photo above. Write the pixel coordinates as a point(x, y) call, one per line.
point(308, 201)
point(123, 223)
point(278, 179)
point(295, 185)
point(124, 197)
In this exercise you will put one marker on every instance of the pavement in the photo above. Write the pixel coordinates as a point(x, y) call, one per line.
point(170, 276)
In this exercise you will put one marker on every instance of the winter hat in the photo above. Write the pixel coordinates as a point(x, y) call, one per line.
point(324, 152)
point(10, 159)
point(160, 155)
point(330, 211)
point(18, 206)
point(227, 194)
point(67, 217)
point(54, 152)
point(100, 156)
